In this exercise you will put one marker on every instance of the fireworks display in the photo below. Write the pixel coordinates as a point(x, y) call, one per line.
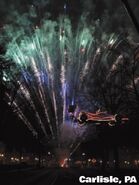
point(48, 69)
point(51, 67)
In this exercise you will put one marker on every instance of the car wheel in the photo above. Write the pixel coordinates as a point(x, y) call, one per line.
point(118, 118)
point(82, 118)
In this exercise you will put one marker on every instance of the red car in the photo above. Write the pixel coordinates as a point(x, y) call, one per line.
point(98, 117)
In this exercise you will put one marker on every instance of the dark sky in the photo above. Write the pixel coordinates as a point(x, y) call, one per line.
point(74, 7)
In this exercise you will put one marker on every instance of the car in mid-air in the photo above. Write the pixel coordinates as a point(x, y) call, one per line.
point(98, 118)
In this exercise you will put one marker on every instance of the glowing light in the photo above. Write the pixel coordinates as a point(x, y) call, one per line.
point(98, 50)
point(5, 77)
point(65, 6)
point(111, 41)
point(62, 165)
point(65, 52)
point(84, 42)
point(16, 159)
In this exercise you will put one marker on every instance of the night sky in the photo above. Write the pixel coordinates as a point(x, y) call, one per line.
point(12, 130)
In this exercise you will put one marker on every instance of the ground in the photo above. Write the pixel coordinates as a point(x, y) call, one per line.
point(55, 176)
